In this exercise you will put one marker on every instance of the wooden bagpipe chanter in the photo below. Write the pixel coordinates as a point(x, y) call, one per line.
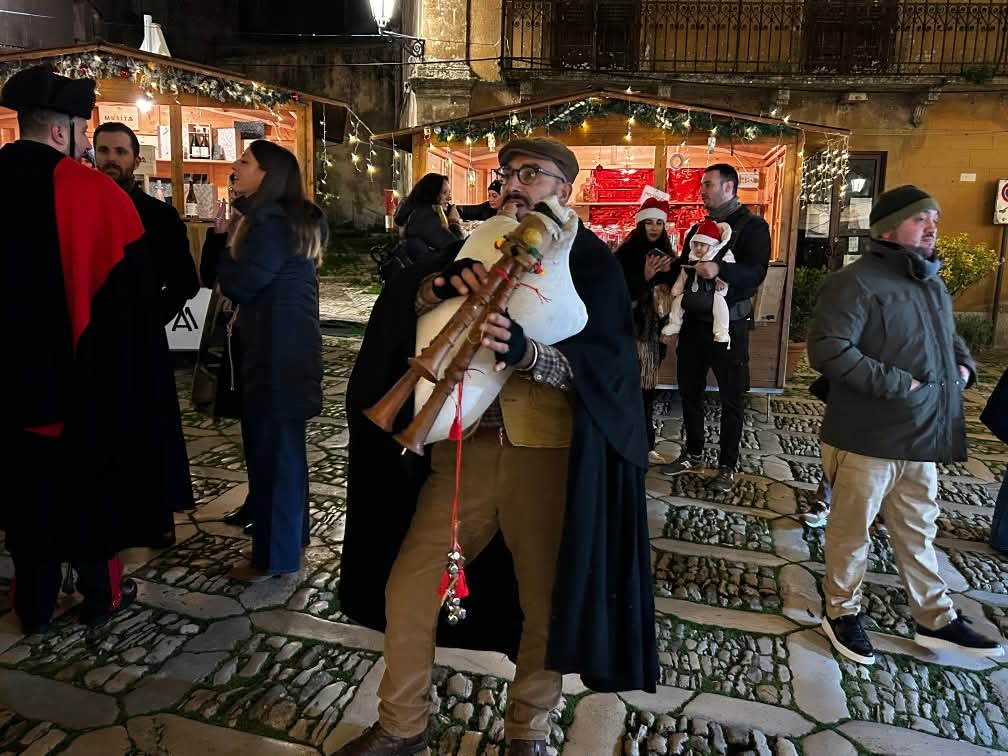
point(528, 266)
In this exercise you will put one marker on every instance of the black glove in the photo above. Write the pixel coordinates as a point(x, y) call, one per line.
point(446, 290)
point(517, 344)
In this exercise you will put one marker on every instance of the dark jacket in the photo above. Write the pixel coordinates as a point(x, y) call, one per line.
point(169, 245)
point(277, 292)
point(421, 226)
point(603, 607)
point(995, 414)
point(480, 212)
point(213, 249)
point(750, 245)
point(877, 326)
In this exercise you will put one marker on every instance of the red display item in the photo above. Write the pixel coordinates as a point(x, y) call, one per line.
point(683, 184)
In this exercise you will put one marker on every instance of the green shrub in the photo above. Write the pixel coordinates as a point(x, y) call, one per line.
point(807, 282)
point(964, 263)
point(977, 331)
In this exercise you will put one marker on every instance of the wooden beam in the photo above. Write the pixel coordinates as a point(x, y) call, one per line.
point(178, 196)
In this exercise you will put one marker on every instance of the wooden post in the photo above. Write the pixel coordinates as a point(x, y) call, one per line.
point(660, 163)
point(790, 200)
point(178, 191)
point(419, 161)
point(304, 146)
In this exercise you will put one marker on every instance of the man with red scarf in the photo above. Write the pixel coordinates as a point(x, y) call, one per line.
point(81, 391)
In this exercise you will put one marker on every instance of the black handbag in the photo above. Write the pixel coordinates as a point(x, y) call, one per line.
point(216, 389)
point(391, 261)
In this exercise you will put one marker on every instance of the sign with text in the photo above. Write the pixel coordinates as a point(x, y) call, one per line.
point(748, 180)
point(127, 114)
point(1001, 203)
point(186, 329)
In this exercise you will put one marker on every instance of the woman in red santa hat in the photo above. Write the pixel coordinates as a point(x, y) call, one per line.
point(648, 257)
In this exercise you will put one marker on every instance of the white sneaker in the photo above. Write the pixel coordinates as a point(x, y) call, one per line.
point(816, 516)
point(656, 458)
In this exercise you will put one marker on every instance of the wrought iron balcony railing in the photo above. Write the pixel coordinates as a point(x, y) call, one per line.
point(759, 37)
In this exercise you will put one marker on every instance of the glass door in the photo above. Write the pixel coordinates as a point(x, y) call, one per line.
point(852, 206)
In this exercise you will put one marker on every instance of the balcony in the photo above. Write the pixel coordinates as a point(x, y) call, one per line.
point(768, 38)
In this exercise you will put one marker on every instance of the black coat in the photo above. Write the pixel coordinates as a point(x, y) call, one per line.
point(750, 245)
point(168, 241)
point(995, 414)
point(276, 289)
point(480, 212)
point(89, 361)
point(421, 226)
point(603, 603)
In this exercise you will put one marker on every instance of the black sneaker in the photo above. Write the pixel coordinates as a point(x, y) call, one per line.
point(684, 463)
point(724, 480)
point(128, 587)
point(849, 638)
point(958, 636)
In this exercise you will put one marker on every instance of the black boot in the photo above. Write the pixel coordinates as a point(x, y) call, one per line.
point(239, 517)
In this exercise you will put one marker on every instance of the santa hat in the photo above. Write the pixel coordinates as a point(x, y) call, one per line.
point(652, 209)
point(708, 231)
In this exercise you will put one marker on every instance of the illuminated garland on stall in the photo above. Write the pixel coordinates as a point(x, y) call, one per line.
point(672, 120)
point(158, 77)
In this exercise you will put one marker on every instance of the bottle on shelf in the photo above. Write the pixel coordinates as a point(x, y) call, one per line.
point(204, 146)
point(191, 205)
point(159, 191)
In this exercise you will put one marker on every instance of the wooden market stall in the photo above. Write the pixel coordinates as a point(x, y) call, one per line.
point(192, 120)
point(624, 143)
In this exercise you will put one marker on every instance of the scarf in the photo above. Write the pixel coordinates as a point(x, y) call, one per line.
point(721, 214)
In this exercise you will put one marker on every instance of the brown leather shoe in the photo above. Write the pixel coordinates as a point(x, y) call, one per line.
point(527, 748)
point(376, 742)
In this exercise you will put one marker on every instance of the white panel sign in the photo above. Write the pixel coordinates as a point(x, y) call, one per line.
point(1001, 203)
point(186, 330)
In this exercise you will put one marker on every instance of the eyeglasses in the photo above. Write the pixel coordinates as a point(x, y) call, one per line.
point(527, 174)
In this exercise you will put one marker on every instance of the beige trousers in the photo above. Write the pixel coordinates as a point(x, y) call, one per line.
point(905, 493)
point(522, 492)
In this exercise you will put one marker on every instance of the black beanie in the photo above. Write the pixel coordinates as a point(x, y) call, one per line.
point(895, 206)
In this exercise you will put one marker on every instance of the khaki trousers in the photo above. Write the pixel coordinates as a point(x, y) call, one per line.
point(520, 491)
point(905, 493)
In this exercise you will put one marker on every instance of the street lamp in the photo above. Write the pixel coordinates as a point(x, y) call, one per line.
point(382, 12)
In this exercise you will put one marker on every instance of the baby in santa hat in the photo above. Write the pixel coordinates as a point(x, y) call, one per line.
point(709, 238)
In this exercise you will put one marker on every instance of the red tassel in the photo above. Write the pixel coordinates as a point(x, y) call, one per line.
point(445, 580)
point(455, 433)
point(461, 588)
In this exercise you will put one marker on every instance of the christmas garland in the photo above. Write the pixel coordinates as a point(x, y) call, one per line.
point(157, 77)
point(673, 120)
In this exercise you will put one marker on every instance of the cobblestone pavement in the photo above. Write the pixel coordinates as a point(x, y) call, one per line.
point(204, 664)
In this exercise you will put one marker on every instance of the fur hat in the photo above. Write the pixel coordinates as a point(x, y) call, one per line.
point(652, 209)
point(708, 231)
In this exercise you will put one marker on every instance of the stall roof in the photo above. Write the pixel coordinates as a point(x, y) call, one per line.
point(100, 48)
point(402, 138)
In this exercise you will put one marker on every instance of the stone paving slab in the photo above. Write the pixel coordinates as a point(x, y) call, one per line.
point(277, 668)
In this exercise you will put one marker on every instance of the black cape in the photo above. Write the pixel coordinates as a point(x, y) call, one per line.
point(175, 283)
point(603, 603)
point(88, 362)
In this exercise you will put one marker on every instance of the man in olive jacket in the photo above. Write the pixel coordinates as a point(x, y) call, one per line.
point(884, 336)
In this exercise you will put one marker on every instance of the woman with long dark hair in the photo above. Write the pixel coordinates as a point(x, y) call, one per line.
point(270, 271)
point(426, 218)
point(647, 258)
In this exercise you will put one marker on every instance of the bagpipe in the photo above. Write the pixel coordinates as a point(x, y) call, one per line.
point(530, 279)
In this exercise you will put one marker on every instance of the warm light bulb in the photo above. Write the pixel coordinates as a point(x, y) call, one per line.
point(145, 104)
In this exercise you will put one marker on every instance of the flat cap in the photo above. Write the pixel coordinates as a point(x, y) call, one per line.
point(544, 148)
point(39, 88)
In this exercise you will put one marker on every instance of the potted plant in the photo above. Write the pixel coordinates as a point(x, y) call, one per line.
point(807, 282)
